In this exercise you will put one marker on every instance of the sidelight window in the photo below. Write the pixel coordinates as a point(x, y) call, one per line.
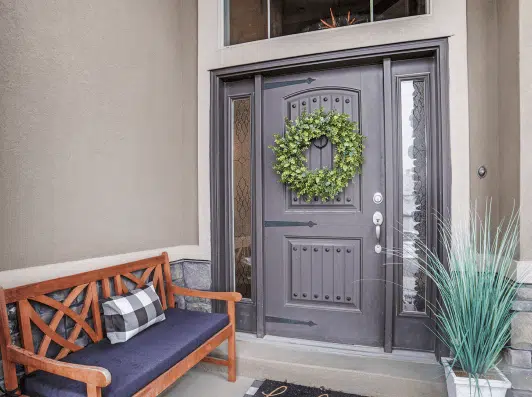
point(242, 226)
point(250, 20)
point(414, 191)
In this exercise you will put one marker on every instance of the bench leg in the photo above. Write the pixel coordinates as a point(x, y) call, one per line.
point(232, 359)
point(231, 356)
point(93, 391)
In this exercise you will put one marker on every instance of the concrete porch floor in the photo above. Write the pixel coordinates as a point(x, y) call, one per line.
point(199, 383)
point(364, 371)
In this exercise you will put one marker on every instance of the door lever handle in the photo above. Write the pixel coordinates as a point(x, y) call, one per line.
point(377, 221)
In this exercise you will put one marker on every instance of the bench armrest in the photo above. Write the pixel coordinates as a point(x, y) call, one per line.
point(96, 376)
point(223, 296)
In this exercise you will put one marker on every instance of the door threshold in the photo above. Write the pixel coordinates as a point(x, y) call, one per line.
point(344, 349)
point(352, 369)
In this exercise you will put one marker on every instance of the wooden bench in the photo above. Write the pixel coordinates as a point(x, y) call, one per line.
point(84, 288)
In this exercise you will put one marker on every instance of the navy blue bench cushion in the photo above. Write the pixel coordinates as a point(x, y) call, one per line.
point(138, 361)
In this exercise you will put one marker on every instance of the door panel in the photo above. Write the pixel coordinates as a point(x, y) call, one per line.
point(323, 270)
point(323, 278)
point(321, 153)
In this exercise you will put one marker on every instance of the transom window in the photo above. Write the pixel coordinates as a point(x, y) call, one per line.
point(250, 20)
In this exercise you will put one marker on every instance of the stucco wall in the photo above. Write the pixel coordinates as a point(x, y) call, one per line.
point(500, 99)
point(98, 143)
point(508, 94)
point(525, 76)
point(482, 54)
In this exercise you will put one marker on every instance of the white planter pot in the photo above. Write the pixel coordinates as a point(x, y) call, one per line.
point(459, 386)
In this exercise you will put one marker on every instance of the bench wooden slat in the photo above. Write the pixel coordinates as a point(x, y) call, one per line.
point(58, 316)
point(106, 288)
point(61, 308)
point(78, 327)
point(23, 313)
point(158, 282)
point(119, 287)
point(38, 321)
point(96, 315)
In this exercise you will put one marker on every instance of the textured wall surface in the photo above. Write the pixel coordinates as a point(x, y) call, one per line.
point(98, 128)
point(189, 274)
point(482, 59)
point(525, 79)
point(508, 94)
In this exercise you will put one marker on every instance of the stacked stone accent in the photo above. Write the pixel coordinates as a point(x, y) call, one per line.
point(518, 358)
point(185, 273)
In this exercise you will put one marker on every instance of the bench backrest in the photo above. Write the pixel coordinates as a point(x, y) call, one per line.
point(82, 290)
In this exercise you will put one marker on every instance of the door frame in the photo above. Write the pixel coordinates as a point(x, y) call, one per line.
point(221, 188)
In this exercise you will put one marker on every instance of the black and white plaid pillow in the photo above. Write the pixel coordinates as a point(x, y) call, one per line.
point(127, 315)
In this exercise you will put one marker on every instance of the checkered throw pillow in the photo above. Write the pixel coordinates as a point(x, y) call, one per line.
point(127, 315)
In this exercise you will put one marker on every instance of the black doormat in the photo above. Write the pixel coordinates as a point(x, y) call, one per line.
point(271, 388)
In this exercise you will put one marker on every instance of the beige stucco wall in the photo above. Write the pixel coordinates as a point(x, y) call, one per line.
point(482, 45)
point(525, 84)
point(509, 114)
point(98, 151)
point(500, 95)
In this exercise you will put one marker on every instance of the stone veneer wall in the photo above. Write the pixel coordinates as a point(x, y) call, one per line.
point(519, 356)
point(186, 273)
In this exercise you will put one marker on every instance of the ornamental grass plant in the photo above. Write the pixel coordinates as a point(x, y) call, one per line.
point(477, 288)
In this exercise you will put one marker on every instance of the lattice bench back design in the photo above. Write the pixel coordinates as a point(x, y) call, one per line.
point(84, 287)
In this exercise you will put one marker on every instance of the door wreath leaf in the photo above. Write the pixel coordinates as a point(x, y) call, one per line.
point(291, 162)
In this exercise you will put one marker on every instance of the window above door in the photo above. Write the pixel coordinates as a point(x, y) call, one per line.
point(251, 20)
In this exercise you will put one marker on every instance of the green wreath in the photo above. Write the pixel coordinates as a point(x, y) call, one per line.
point(291, 162)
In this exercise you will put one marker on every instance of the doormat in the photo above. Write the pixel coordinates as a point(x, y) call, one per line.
point(272, 388)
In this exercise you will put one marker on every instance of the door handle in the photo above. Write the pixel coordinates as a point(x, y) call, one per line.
point(377, 221)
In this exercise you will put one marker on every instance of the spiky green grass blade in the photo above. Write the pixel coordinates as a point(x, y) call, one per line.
point(477, 289)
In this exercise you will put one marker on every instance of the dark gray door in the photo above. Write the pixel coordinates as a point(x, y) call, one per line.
point(324, 279)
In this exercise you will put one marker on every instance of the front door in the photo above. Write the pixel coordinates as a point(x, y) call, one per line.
point(323, 271)
point(312, 269)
